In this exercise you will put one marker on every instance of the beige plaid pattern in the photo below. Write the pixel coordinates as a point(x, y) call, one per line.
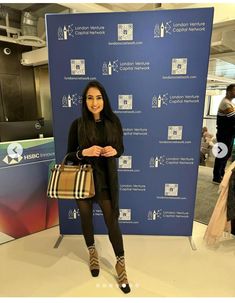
point(71, 182)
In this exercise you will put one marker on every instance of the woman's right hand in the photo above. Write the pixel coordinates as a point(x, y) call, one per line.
point(93, 151)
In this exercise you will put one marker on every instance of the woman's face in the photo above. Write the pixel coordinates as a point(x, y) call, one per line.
point(94, 102)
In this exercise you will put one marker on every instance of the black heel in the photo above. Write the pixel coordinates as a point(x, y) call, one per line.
point(122, 276)
point(126, 289)
point(95, 272)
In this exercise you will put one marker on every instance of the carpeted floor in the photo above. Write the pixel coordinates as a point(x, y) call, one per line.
point(207, 195)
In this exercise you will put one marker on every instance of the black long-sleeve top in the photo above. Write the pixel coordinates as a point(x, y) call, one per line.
point(99, 164)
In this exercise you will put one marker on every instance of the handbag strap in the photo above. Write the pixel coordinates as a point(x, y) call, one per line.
point(64, 159)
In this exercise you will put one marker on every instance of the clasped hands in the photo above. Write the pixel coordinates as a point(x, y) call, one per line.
point(97, 151)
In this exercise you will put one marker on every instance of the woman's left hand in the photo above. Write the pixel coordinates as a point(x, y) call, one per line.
point(108, 151)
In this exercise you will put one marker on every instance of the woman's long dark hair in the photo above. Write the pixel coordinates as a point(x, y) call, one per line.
point(87, 133)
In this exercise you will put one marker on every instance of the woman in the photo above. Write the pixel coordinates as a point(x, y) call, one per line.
point(96, 138)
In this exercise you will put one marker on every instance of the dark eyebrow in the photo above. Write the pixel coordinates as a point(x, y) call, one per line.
point(95, 96)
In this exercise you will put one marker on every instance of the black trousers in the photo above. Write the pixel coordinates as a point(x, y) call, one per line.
point(233, 227)
point(220, 163)
point(111, 221)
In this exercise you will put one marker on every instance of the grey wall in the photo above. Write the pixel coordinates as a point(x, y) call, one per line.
point(209, 121)
point(43, 92)
point(17, 88)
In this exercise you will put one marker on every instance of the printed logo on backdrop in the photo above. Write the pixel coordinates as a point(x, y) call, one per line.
point(179, 66)
point(125, 164)
point(179, 70)
point(125, 35)
point(175, 135)
point(153, 215)
point(164, 29)
point(14, 153)
point(125, 32)
point(125, 214)
point(70, 100)
point(110, 67)
point(63, 33)
point(73, 214)
point(175, 132)
point(135, 131)
point(157, 161)
point(171, 192)
point(77, 67)
point(125, 105)
point(160, 161)
point(133, 187)
point(160, 100)
point(125, 101)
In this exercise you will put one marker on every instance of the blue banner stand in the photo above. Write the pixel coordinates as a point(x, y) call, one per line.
point(156, 84)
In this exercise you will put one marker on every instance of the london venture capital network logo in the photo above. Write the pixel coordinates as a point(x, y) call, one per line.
point(162, 29)
point(109, 67)
point(64, 32)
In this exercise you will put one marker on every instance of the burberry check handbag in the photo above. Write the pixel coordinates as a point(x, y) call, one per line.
point(71, 181)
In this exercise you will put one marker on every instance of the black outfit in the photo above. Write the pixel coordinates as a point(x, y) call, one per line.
point(231, 202)
point(225, 134)
point(106, 184)
point(202, 159)
point(220, 163)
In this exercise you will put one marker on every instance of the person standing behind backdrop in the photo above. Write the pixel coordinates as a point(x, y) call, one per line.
point(97, 138)
point(225, 131)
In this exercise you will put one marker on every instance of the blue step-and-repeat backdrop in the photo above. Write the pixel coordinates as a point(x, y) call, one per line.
point(154, 67)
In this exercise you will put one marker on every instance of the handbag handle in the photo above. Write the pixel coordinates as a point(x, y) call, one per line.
point(64, 159)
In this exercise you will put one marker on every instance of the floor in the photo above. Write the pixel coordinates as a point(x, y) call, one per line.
point(157, 267)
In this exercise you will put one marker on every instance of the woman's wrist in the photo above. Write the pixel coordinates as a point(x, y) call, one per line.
point(83, 152)
point(79, 154)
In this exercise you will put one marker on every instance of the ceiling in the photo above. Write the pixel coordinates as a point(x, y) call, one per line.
point(222, 59)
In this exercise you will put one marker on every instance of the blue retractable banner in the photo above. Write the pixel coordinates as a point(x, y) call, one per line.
point(154, 67)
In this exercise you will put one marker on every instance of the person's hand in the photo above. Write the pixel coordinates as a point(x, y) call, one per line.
point(108, 151)
point(93, 151)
